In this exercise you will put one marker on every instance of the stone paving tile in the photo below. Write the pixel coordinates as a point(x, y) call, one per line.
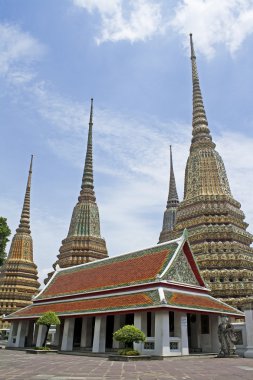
point(15, 365)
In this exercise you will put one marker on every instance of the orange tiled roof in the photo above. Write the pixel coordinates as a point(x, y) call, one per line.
point(197, 302)
point(89, 306)
point(133, 301)
point(134, 268)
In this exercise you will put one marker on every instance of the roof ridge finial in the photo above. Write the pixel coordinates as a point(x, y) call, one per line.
point(172, 196)
point(87, 187)
point(24, 225)
point(200, 132)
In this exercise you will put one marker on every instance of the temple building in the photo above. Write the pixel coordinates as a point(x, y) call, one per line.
point(169, 217)
point(83, 243)
point(214, 219)
point(19, 276)
point(159, 289)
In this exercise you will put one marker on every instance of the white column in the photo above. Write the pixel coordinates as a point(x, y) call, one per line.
point(21, 334)
point(215, 344)
point(35, 334)
point(115, 343)
point(86, 332)
point(248, 310)
point(57, 335)
point(12, 334)
point(68, 334)
point(162, 333)
point(99, 335)
point(184, 334)
point(138, 324)
point(41, 335)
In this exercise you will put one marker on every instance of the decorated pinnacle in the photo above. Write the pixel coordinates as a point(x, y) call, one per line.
point(172, 197)
point(24, 225)
point(200, 130)
point(87, 188)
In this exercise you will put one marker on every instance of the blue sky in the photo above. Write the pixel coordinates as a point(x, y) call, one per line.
point(133, 58)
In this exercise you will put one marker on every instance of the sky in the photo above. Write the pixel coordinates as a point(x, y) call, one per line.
point(132, 57)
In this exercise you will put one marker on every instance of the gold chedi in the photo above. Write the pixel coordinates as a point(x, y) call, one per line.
point(19, 276)
point(214, 219)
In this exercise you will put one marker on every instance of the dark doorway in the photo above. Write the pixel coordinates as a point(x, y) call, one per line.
point(129, 319)
point(172, 323)
point(109, 331)
point(92, 329)
point(77, 332)
point(192, 325)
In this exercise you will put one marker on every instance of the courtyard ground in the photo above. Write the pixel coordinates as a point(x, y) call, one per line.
point(19, 365)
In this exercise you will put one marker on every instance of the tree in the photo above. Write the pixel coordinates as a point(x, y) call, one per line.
point(128, 335)
point(4, 233)
point(47, 319)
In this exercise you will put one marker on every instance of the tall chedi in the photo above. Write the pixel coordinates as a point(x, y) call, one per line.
point(169, 216)
point(213, 217)
point(83, 243)
point(19, 276)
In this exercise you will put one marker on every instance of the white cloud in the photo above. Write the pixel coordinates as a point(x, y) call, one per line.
point(214, 22)
point(132, 20)
point(18, 50)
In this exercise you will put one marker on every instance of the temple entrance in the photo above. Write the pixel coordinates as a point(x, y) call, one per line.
point(77, 332)
point(193, 336)
point(109, 331)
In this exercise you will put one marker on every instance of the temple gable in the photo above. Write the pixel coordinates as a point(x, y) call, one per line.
point(181, 271)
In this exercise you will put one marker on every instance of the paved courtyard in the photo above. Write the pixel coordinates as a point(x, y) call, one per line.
point(19, 365)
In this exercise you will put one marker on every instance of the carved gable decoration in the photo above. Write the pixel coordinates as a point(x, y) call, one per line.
point(181, 271)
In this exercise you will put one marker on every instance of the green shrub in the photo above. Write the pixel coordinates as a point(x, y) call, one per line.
point(128, 335)
point(47, 319)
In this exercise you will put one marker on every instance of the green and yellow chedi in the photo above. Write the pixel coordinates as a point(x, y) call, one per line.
point(83, 243)
point(214, 219)
point(19, 275)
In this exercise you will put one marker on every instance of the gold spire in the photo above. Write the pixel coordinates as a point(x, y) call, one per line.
point(172, 196)
point(200, 132)
point(19, 275)
point(214, 219)
point(169, 216)
point(83, 242)
point(87, 188)
point(24, 225)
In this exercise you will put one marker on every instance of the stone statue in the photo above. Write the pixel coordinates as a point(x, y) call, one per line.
point(227, 338)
